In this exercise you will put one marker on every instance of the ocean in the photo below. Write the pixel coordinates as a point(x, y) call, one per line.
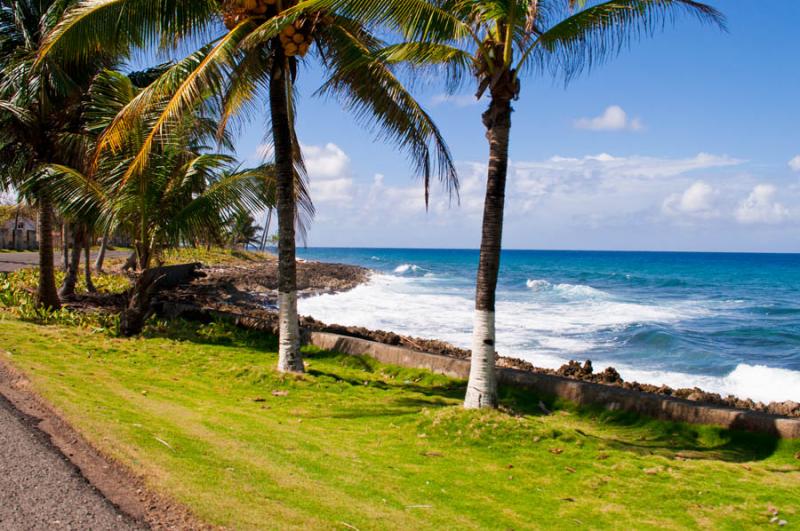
point(728, 323)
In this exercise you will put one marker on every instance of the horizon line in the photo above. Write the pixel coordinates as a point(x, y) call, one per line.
point(790, 253)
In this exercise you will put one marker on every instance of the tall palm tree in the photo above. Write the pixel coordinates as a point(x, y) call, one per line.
point(39, 108)
point(256, 55)
point(495, 43)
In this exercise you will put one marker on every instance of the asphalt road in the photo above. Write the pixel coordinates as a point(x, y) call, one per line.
point(40, 489)
point(13, 261)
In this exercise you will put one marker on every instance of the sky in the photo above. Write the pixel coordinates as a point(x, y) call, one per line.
point(688, 141)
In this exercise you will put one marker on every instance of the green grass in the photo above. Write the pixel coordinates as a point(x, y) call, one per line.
point(213, 256)
point(204, 417)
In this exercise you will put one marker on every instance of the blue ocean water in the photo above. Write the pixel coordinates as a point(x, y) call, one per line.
point(729, 323)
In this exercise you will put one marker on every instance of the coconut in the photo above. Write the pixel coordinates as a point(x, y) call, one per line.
point(295, 38)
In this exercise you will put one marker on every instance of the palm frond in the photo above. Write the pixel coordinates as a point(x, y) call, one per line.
point(366, 86)
point(601, 31)
point(117, 26)
point(180, 88)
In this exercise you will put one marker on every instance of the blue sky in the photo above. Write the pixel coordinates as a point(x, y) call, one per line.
point(684, 142)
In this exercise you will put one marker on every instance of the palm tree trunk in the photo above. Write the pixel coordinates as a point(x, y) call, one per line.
point(289, 359)
point(482, 386)
point(264, 235)
point(47, 295)
point(87, 269)
point(101, 255)
point(65, 244)
point(71, 279)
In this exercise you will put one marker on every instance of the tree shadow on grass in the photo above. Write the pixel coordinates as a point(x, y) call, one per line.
point(210, 332)
point(438, 394)
point(619, 430)
point(644, 435)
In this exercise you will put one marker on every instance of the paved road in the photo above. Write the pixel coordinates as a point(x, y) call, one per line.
point(13, 261)
point(40, 489)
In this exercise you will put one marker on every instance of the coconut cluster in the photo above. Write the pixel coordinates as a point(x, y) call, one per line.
point(238, 10)
point(295, 38)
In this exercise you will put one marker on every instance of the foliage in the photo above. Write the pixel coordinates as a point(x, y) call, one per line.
point(18, 298)
point(242, 230)
point(199, 412)
point(187, 193)
point(9, 212)
point(39, 105)
point(234, 71)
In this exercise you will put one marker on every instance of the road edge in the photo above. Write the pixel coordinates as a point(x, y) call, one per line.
point(122, 488)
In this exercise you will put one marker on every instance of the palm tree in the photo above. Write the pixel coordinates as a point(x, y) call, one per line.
point(242, 230)
point(39, 105)
point(184, 194)
point(256, 56)
point(495, 43)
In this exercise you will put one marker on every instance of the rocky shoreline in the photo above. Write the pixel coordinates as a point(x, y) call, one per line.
point(248, 293)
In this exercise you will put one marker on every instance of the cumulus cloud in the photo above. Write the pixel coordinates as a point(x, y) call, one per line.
point(329, 173)
point(604, 169)
point(592, 200)
point(795, 163)
point(614, 118)
point(570, 186)
point(760, 207)
point(697, 200)
point(325, 162)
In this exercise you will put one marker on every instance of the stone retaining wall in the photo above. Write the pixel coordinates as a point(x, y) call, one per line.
point(584, 393)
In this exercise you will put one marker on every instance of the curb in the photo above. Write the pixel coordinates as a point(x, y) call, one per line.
point(583, 393)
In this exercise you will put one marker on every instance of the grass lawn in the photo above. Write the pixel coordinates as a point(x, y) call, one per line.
point(356, 444)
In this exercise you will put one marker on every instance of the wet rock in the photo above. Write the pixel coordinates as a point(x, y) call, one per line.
point(610, 376)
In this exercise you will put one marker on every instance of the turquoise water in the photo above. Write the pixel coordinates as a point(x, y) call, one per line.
point(726, 322)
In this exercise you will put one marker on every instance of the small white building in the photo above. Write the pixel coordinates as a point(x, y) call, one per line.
point(26, 234)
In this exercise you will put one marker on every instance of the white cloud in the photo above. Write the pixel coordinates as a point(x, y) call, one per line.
point(593, 167)
point(697, 200)
point(760, 207)
point(595, 185)
point(593, 201)
point(614, 118)
point(329, 173)
point(795, 163)
point(325, 162)
point(323, 191)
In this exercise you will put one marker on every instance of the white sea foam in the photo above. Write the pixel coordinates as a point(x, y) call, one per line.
point(424, 307)
point(538, 284)
point(757, 382)
point(542, 330)
point(405, 268)
point(567, 291)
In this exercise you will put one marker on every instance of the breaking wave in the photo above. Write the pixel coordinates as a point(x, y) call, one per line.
point(568, 291)
point(406, 268)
